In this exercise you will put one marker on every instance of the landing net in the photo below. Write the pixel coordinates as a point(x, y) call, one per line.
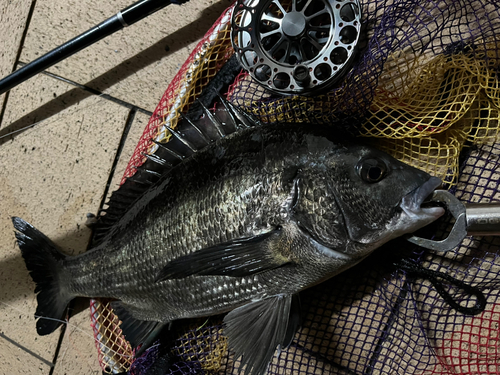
point(425, 89)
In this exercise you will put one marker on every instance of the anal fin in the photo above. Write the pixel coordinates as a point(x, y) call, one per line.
point(136, 331)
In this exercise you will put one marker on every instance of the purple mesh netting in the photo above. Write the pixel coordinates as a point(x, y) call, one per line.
point(142, 365)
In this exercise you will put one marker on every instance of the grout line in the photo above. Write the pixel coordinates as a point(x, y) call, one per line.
point(69, 309)
point(126, 130)
point(26, 350)
point(4, 107)
point(18, 55)
point(94, 92)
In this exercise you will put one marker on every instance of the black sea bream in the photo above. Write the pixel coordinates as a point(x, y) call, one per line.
point(240, 226)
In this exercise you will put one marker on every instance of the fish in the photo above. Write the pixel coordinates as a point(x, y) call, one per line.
point(239, 218)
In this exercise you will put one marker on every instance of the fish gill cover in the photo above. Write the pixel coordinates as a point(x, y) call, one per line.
point(425, 89)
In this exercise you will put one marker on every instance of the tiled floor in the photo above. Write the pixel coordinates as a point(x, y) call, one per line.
point(56, 170)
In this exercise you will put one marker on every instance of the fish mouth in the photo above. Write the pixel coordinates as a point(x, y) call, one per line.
point(414, 203)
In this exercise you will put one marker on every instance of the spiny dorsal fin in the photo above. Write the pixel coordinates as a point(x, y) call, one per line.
point(214, 120)
point(182, 138)
point(195, 127)
point(240, 118)
point(188, 138)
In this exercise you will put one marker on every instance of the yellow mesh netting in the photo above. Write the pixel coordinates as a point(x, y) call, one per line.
point(423, 113)
point(426, 117)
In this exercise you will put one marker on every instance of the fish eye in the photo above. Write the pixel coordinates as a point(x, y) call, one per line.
point(371, 170)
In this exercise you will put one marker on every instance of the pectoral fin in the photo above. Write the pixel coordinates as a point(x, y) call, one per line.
point(238, 258)
point(256, 330)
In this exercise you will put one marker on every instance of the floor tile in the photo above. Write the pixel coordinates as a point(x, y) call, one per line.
point(54, 174)
point(13, 15)
point(132, 64)
point(16, 361)
point(22, 351)
point(37, 100)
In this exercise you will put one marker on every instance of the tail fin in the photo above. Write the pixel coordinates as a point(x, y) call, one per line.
point(44, 262)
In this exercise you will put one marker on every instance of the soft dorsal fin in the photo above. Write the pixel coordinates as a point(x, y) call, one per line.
point(188, 138)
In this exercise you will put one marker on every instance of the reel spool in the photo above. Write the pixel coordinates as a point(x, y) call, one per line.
point(296, 46)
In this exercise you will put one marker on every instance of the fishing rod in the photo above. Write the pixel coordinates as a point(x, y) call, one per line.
point(123, 18)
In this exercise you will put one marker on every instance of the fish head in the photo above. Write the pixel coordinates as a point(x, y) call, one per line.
point(365, 197)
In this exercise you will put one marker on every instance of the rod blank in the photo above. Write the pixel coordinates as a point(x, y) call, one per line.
point(123, 18)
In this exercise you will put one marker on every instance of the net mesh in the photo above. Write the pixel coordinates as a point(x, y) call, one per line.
point(114, 352)
point(425, 89)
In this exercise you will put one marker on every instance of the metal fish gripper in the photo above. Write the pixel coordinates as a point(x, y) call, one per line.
point(471, 219)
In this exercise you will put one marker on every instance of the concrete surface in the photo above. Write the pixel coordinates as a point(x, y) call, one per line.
point(13, 17)
point(56, 165)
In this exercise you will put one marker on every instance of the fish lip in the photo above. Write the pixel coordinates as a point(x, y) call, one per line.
point(411, 203)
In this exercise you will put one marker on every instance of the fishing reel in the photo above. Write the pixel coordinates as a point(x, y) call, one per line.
point(296, 46)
